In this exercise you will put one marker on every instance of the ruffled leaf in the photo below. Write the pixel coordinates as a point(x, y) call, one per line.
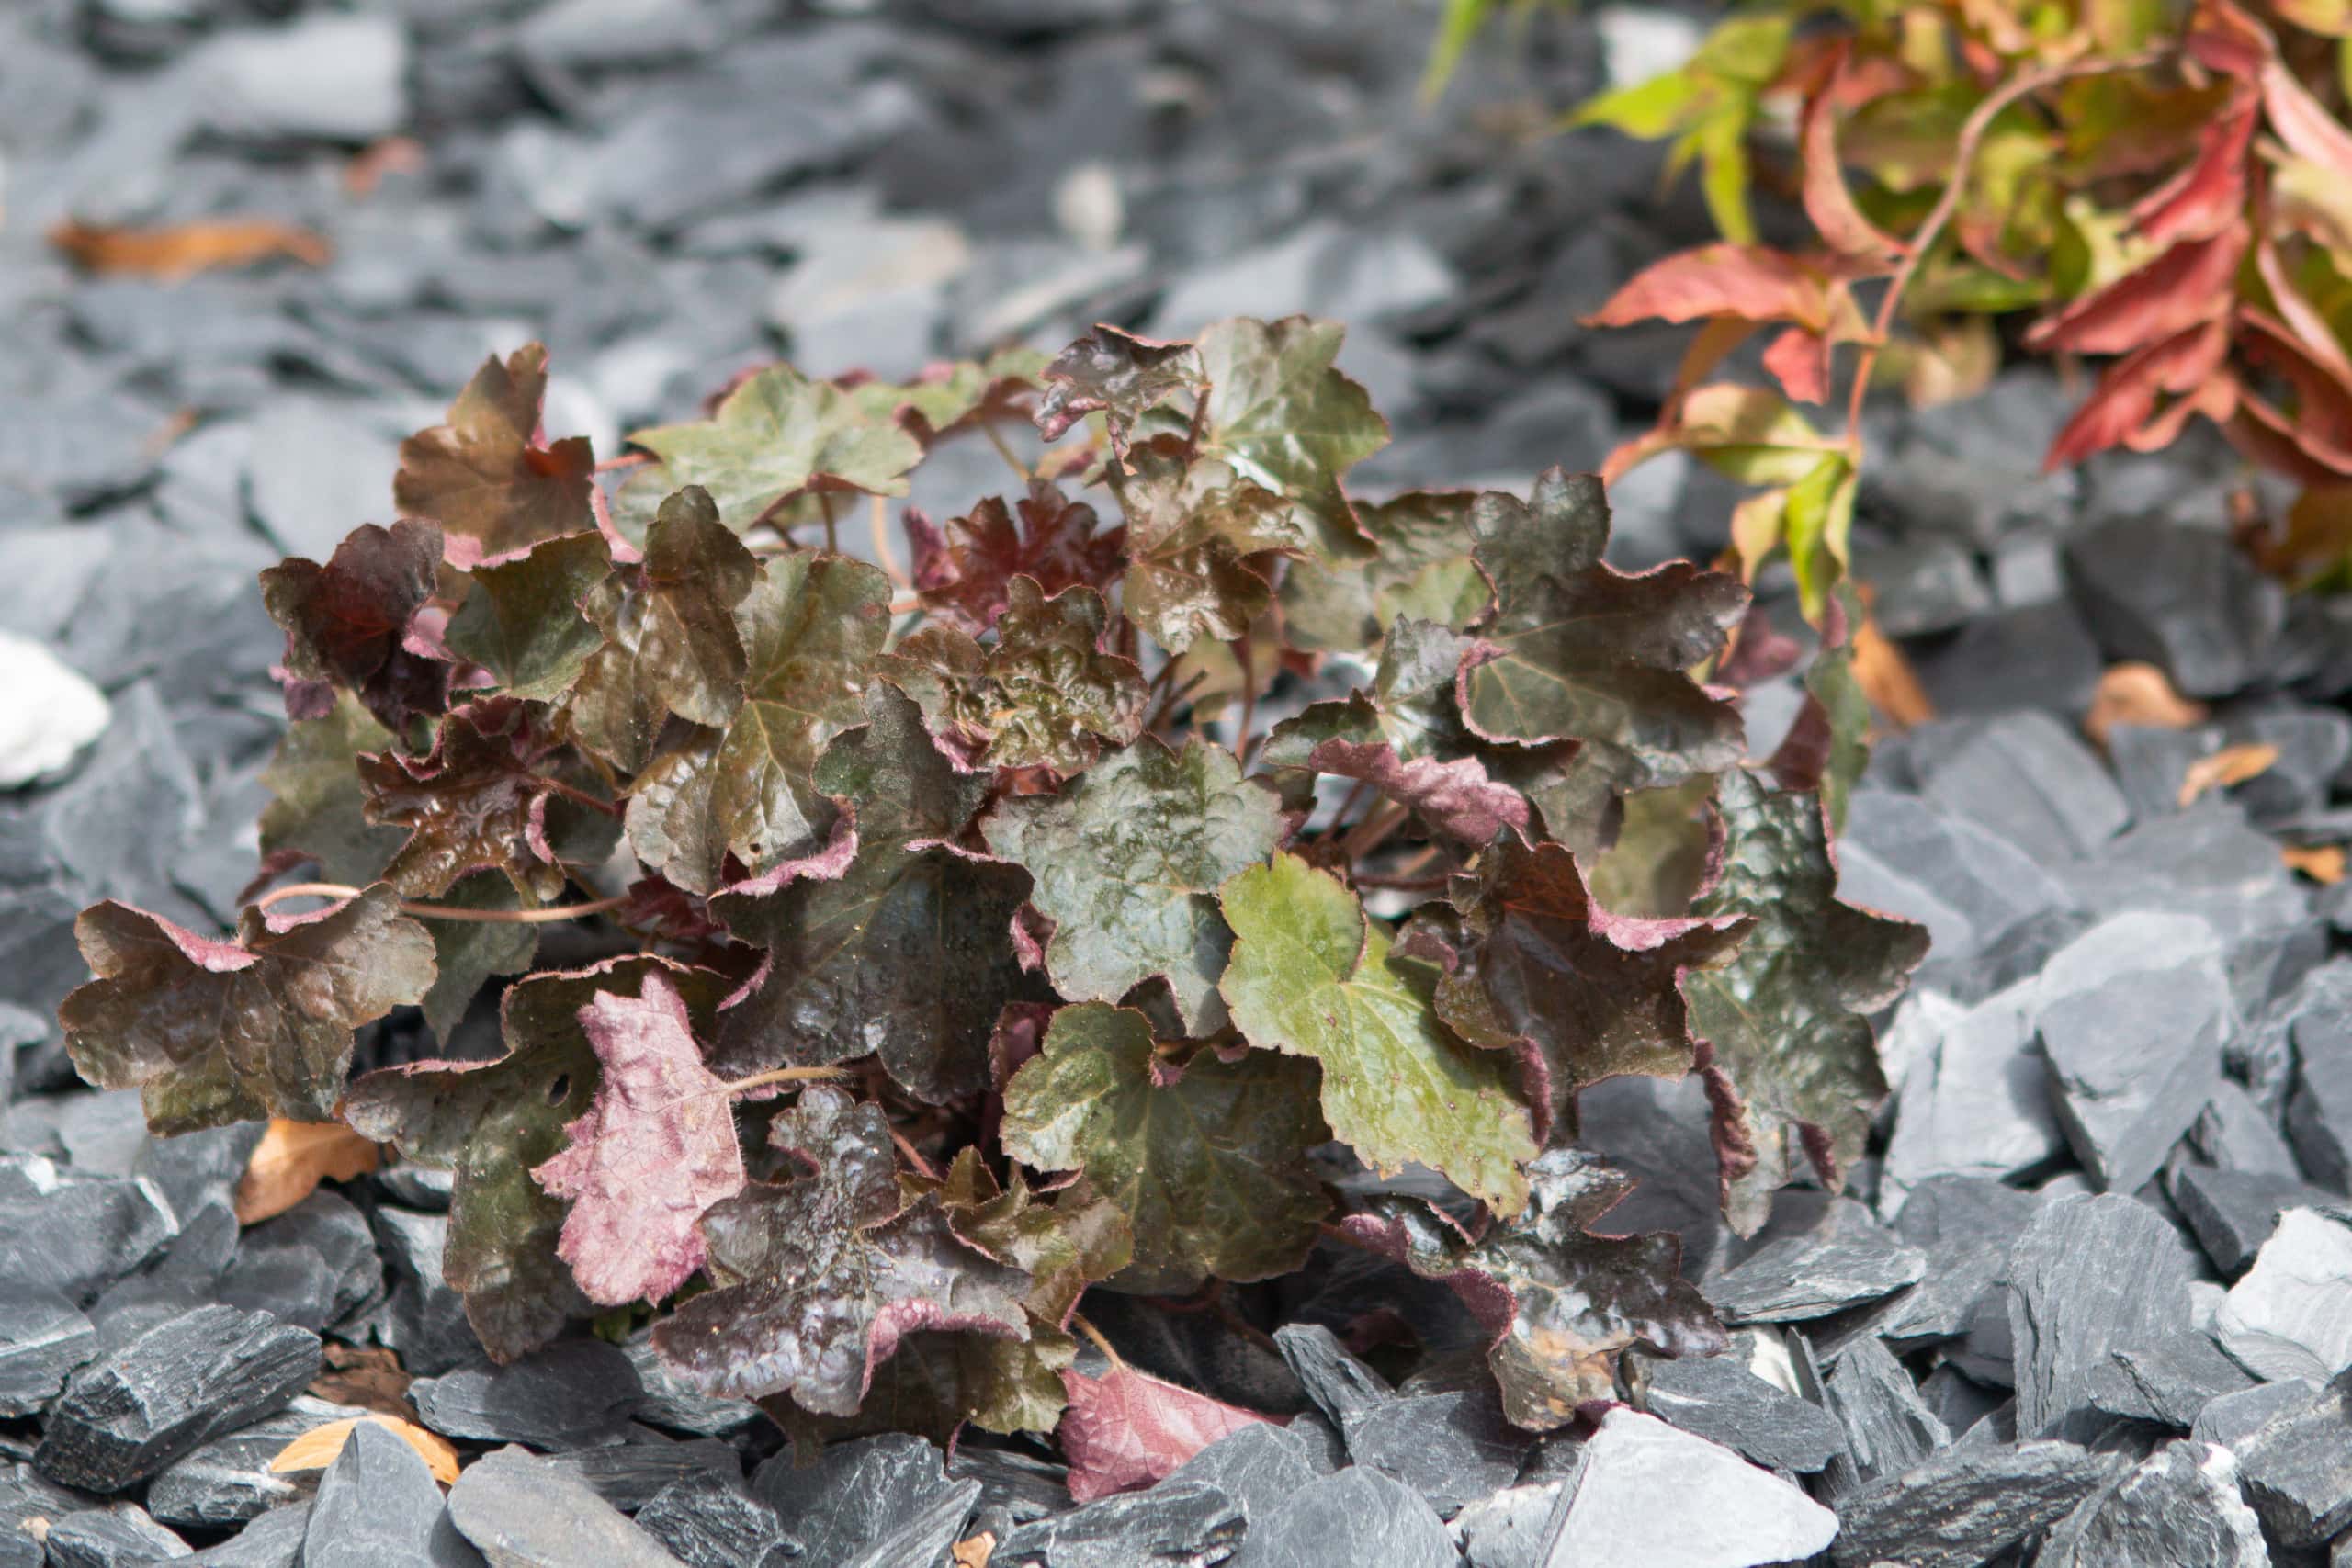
point(348, 624)
point(777, 436)
point(1117, 375)
point(522, 620)
point(314, 810)
point(1192, 525)
point(964, 569)
point(1285, 420)
point(1424, 561)
point(489, 476)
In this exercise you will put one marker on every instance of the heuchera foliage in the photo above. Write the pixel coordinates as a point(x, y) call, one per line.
point(947, 943)
point(2157, 185)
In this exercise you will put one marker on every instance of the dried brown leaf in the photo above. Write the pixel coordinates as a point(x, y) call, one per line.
point(290, 1161)
point(175, 251)
point(2230, 765)
point(316, 1449)
point(2138, 694)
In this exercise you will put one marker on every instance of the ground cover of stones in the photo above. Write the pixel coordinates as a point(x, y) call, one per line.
point(2087, 1303)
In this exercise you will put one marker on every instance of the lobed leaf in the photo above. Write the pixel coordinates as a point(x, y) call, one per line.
point(348, 624)
point(1118, 376)
point(488, 476)
point(964, 569)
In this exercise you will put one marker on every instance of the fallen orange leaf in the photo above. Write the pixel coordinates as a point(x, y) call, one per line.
point(2230, 765)
point(316, 1449)
point(290, 1161)
point(2321, 863)
point(1885, 678)
point(974, 1553)
point(181, 250)
point(2138, 694)
point(393, 155)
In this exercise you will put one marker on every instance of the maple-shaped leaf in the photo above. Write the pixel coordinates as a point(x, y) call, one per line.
point(1285, 420)
point(348, 624)
point(945, 399)
point(1127, 859)
point(1392, 739)
point(522, 620)
point(820, 1276)
point(466, 953)
point(315, 809)
point(1536, 963)
point(906, 955)
point(964, 569)
point(778, 435)
point(1192, 525)
point(669, 642)
point(1117, 374)
point(213, 1032)
point(1055, 696)
point(1207, 1160)
point(492, 1123)
point(1312, 976)
point(1785, 1017)
point(488, 476)
point(656, 1149)
point(478, 801)
point(1579, 650)
point(1424, 562)
point(1129, 1428)
point(1559, 1299)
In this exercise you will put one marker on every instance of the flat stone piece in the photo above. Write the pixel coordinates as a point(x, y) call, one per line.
point(1911, 857)
point(2232, 1212)
point(1843, 1260)
point(1173, 1523)
point(1345, 1520)
point(2235, 1132)
point(855, 1495)
point(1966, 1225)
point(1888, 1428)
point(112, 1538)
point(1965, 1507)
point(314, 1265)
point(674, 1407)
point(924, 1536)
point(2292, 1315)
point(707, 1521)
point(1978, 1104)
point(1506, 1530)
point(2024, 776)
point(2232, 1419)
point(2179, 1508)
point(78, 1237)
point(2297, 1465)
point(377, 1503)
point(575, 1393)
point(627, 1475)
point(1646, 1493)
point(1340, 1384)
point(2090, 1276)
point(1717, 1398)
point(522, 1512)
point(126, 1416)
point(2171, 1381)
point(1449, 1446)
point(1259, 1466)
point(2184, 598)
point(273, 1540)
point(2319, 1113)
point(1020, 1485)
point(44, 1337)
point(228, 1480)
point(2135, 1059)
point(424, 1320)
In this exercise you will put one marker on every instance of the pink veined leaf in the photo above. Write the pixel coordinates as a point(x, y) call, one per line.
point(1126, 1429)
point(1753, 283)
point(1829, 203)
point(2209, 194)
point(2125, 400)
point(656, 1149)
point(1457, 797)
point(1799, 360)
point(2190, 283)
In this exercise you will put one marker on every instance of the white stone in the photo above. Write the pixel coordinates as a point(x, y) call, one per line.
point(2292, 1315)
point(338, 78)
point(47, 716)
point(1089, 206)
point(1638, 42)
point(1646, 1492)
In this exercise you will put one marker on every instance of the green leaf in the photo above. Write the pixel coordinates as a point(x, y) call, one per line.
point(777, 436)
point(487, 477)
point(1664, 852)
point(1558, 1301)
point(947, 399)
point(1310, 976)
point(1118, 376)
point(493, 1123)
point(1192, 525)
point(466, 953)
point(1127, 859)
point(1786, 1017)
point(1828, 746)
point(908, 955)
point(1423, 571)
point(1207, 1160)
point(1579, 650)
point(1285, 420)
point(1537, 963)
point(214, 1032)
point(671, 645)
point(1820, 518)
point(522, 620)
point(1650, 110)
point(317, 807)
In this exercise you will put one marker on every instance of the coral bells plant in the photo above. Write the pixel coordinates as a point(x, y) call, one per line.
point(945, 944)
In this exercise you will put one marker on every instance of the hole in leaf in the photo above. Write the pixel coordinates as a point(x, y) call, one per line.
point(560, 1089)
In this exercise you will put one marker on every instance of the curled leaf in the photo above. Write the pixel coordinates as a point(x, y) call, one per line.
point(964, 569)
point(1118, 376)
point(1129, 1428)
point(488, 477)
point(348, 624)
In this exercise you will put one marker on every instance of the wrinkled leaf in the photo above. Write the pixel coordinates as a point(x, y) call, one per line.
point(488, 476)
point(1312, 976)
point(1424, 563)
point(522, 622)
point(1117, 374)
point(1129, 1428)
point(1192, 525)
point(346, 624)
point(1127, 859)
point(1057, 698)
point(778, 435)
point(215, 1031)
point(964, 569)
point(1207, 1159)
point(1287, 421)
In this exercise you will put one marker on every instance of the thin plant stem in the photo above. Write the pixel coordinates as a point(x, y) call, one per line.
point(580, 797)
point(447, 912)
point(1078, 1321)
point(1374, 831)
point(1004, 450)
point(785, 1075)
point(832, 531)
point(1355, 795)
point(626, 460)
point(923, 1168)
point(877, 521)
point(1249, 699)
point(1173, 699)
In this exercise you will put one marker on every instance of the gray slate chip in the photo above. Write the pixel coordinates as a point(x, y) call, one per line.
point(627, 1475)
point(1966, 1225)
point(1174, 1523)
point(424, 1320)
point(1341, 1522)
point(2090, 1276)
point(378, 1503)
point(856, 1492)
point(1888, 1428)
point(78, 1237)
point(2024, 776)
point(1965, 1507)
point(129, 1415)
point(2169, 1382)
point(1259, 1466)
point(273, 1540)
point(2184, 598)
point(2179, 1508)
point(1645, 1492)
point(1506, 1530)
point(2319, 1113)
point(575, 1394)
point(1718, 1398)
point(706, 1521)
point(2232, 1212)
point(2135, 1059)
point(1842, 1261)
point(926, 1535)
point(314, 1265)
point(521, 1512)
point(228, 1480)
point(44, 1337)
point(112, 1538)
point(2297, 1465)
point(2292, 1315)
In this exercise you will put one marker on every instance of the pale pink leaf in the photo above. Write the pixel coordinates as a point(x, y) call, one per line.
point(1126, 1429)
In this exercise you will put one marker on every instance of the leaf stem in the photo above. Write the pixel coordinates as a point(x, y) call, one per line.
point(1173, 698)
point(1248, 698)
point(580, 797)
point(877, 521)
point(785, 1075)
point(1004, 450)
point(1374, 831)
point(445, 911)
point(1355, 795)
point(832, 531)
point(626, 460)
point(923, 1168)
point(1078, 1321)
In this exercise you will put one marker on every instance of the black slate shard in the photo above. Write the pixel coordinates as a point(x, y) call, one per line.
point(1259, 1466)
point(228, 1480)
point(126, 1416)
point(2297, 1464)
point(2090, 1276)
point(575, 1394)
point(2136, 1059)
point(925, 1535)
point(273, 1540)
point(670, 1403)
point(1843, 1260)
point(1646, 1493)
point(1173, 1524)
point(1450, 1444)
point(1966, 1225)
point(79, 1237)
point(44, 1337)
point(521, 1512)
point(1888, 1428)
point(1718, 1398)
point(2024, 775)
point(425, 1320)
point(627, 1475)
point(1015, 1484)
point(2232, 1212)
point(856, 1492)
point(377, 1503)
point(316, 1265)
point(2179, 1508)
point(118, 1536)
point(2169, 1382)
point(2184, 598)
point(1965, 1506)
point(1346, 1520)
point(707, 1521)
point(2319, 1112)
